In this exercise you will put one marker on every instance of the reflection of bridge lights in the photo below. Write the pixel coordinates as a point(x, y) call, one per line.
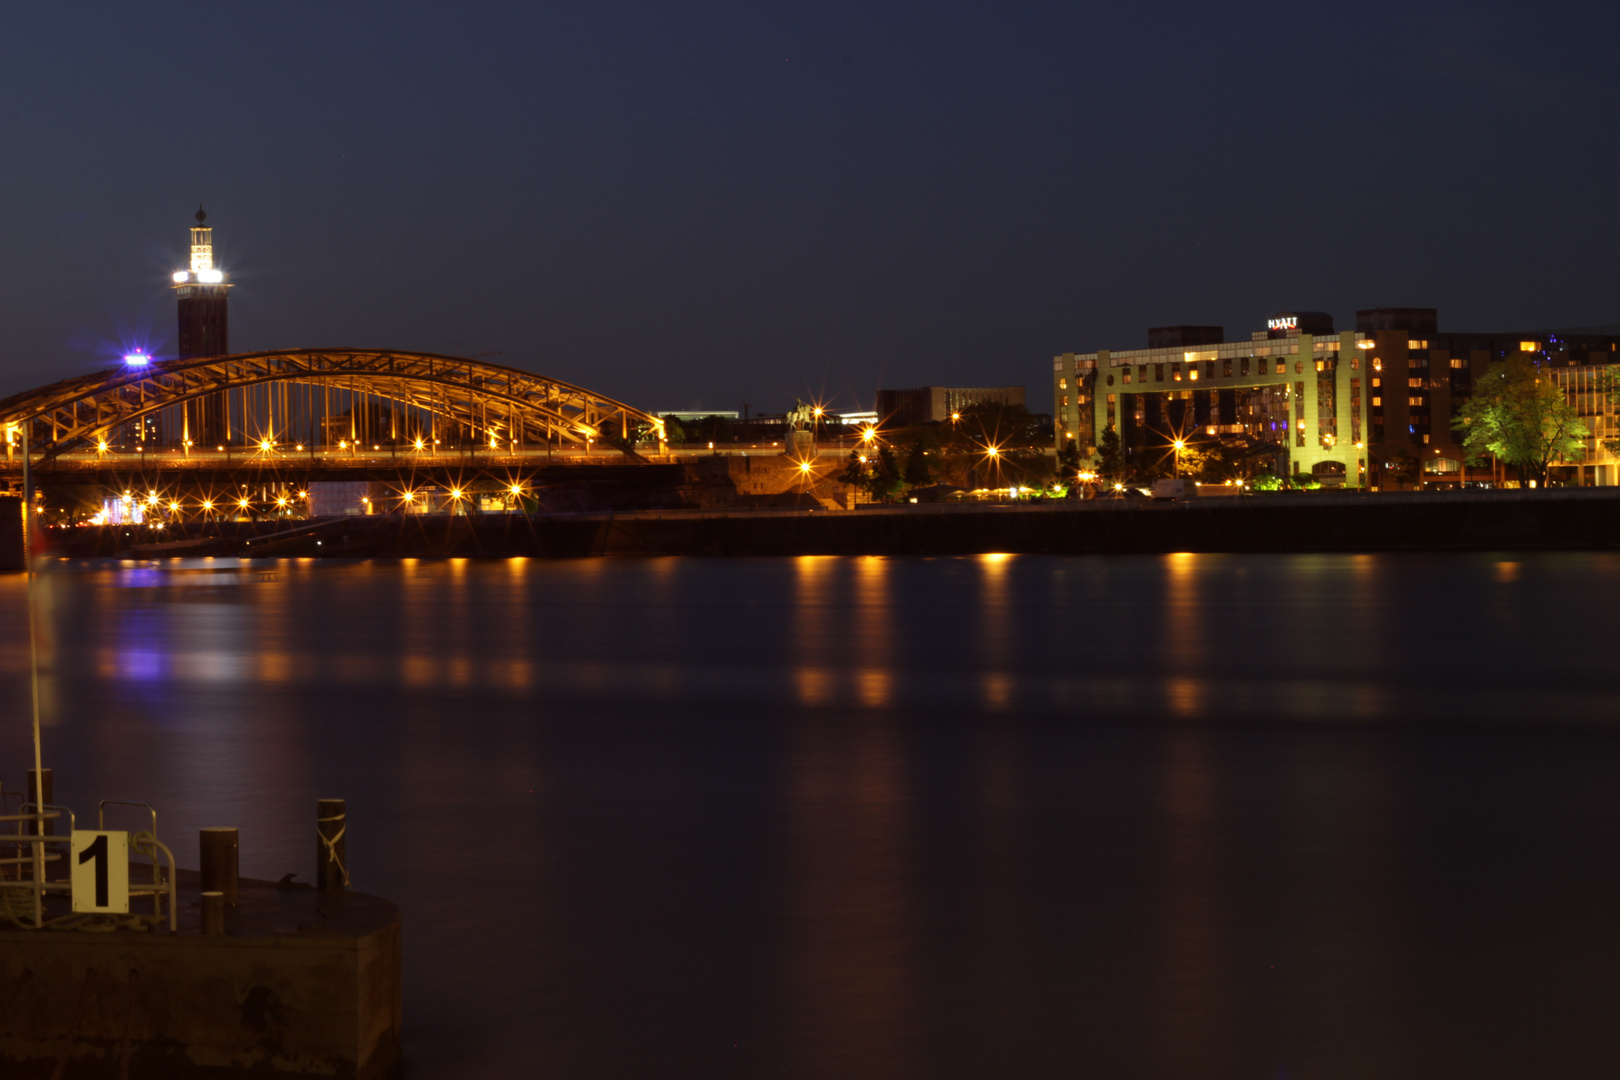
point(409, 496)
point(455, 493)
point(419, 444)
point(516, 490)
point(804, 466)
point(243, 503)
point(101, 446)
point(281, 501)
point(264, 444)
point(174, 507)
point(207, 504)
point(303, 494)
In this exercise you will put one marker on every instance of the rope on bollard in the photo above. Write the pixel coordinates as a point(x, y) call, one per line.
point(330, 842)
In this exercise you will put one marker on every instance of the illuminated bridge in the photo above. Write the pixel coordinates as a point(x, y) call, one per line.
point(273, 419)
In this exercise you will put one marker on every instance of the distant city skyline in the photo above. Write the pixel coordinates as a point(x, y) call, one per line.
point(692, 209)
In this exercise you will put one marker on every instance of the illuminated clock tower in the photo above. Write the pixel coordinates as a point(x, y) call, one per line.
point(204, 324)
point(204, 331)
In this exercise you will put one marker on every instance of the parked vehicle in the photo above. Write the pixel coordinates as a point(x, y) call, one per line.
point(1174, 490)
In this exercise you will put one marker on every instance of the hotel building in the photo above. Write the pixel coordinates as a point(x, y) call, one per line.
point(1365, 408)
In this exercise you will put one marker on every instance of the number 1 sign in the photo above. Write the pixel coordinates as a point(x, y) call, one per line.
point(99, 866)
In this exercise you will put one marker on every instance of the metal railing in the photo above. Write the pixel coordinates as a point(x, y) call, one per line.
point(34, 840)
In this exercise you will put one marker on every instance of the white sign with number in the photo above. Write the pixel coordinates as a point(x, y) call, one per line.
point(99, 870)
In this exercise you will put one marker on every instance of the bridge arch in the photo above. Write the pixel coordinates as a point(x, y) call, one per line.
point(200, 400)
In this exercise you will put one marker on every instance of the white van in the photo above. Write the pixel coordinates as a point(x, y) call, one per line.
point(1173, 490)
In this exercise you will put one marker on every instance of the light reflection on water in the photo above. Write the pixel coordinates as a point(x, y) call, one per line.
point(1004, 816)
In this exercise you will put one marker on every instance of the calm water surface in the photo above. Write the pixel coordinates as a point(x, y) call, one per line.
point(1185, 816)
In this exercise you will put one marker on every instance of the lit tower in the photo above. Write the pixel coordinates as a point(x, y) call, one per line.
point(204, 325)
point(204, 331)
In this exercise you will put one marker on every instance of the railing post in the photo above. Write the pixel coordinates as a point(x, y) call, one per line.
point(218, 860)
point(331, 821)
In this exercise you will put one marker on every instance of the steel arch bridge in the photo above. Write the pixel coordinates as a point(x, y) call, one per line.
point(248, 398)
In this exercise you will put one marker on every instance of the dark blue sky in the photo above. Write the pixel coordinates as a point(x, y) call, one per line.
point(687, 206)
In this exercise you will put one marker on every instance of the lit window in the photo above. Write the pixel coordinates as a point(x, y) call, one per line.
point(1458, 362)
point(1417, 344)
point(1063, 384)
point(1378, 402)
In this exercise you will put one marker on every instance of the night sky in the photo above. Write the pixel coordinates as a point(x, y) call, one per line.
point(690, 206)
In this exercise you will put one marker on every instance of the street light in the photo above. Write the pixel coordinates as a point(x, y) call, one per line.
point(1178, 444)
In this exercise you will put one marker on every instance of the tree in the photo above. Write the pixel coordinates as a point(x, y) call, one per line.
point(1518, 413)
point(917, 472)
point(1068, 456)
point(1110, 462)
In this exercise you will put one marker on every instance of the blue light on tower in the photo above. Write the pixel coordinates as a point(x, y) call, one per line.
point(137, 359)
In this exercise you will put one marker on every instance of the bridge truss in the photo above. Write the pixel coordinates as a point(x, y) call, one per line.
point(321, 397)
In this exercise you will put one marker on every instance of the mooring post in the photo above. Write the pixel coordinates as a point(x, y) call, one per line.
point(40, 801)
point(218, 859)
point(213, 912)
point(331, 821)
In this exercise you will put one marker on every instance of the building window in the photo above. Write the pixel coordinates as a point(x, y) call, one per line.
point(1141, 373)
point(1529, 346)
point(1175, 372)
point(1209, 368)
point(1299, 367)
point(1192, 373)
point(1110, 399)
point(1127, 377)
point(1226, 369)
point(1458, 362)
point(1063, 384)
point(1065, 401)
point(1355, 363)
point(1355, 410)
point(1416, 344)
point(1158, 373)
point(1282, 367)
point(1110, 383)
point(1378, 402)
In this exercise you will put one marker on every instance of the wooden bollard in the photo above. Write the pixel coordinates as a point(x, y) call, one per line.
point(331, 865)
point(213, 912)
point(217, 849)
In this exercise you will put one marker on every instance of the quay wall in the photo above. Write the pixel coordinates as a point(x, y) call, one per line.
point(1573, 519)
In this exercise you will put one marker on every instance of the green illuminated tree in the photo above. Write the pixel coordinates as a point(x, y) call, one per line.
point(1518, 413)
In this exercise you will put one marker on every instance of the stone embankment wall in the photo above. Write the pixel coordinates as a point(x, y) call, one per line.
point(1581, 519)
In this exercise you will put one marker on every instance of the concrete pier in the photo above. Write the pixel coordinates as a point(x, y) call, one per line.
point(301, 983)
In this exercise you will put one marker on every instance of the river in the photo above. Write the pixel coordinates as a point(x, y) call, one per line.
point(1246, 816)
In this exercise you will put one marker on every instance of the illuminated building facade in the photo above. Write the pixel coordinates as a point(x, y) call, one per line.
point(204, 299)
point(1369, 407)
